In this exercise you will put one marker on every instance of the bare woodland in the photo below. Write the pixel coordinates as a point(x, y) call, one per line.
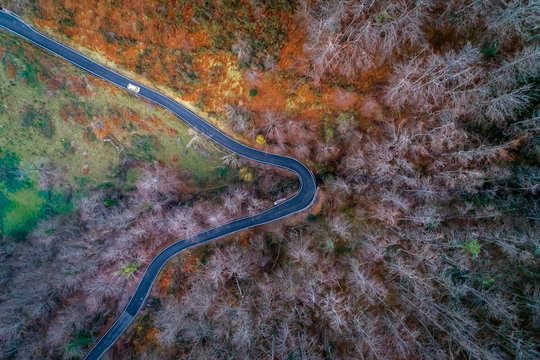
point(80, 269)
point(387, 271)
point(426, 247)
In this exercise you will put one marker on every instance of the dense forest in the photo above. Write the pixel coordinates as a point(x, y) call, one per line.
point(421, 122)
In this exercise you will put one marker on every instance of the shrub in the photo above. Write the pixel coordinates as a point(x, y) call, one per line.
point(490, 51)
point(83, 339)
point(39, 119)
point(66, 22)
point(472, 246)
point(11, 174)
point(260, 140)
point(128, 269)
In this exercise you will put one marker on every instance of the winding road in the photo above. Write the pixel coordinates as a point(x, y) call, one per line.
point(302, 199)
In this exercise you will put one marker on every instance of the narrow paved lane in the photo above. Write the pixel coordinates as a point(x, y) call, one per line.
point(303, 198)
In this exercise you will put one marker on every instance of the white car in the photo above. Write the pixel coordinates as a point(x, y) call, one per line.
point(279, 201)
point(133, 88)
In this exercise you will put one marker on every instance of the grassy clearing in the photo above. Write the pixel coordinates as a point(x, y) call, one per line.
point(22, 213)
point(63, 132)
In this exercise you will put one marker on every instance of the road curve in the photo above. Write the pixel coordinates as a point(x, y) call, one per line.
point(302, 199)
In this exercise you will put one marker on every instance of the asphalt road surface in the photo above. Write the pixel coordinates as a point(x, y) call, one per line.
point(302, 199)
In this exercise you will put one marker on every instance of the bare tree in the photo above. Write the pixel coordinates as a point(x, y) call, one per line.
point(345, 37)
point(243, 50)
point(159, 183)
point(231, 160)
point(426, 81)
point(514, 20)
point(274, 129)
point(340, 226)
point(238, 117)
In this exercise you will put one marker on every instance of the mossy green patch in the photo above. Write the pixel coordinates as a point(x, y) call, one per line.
point(56, 201)
point(110, 202)
point(30, 74)
point(23, 213)
point(4, 204)
point(11, 174)
point(132, 175)
point(128, 269)
point(383, 16)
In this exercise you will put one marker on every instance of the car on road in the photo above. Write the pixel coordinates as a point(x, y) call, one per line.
point(133, 88)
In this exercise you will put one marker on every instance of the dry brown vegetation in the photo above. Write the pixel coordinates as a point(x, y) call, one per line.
point(421, 122)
